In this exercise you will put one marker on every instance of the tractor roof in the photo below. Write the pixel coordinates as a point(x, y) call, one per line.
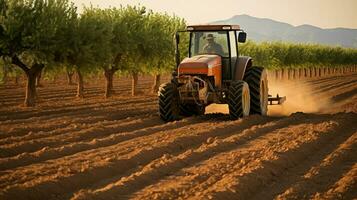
point(213, 27)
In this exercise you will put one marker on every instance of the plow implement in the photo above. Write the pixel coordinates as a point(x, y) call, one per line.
point(276, 100)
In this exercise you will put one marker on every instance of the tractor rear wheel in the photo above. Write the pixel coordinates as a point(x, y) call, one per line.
point(256, 77)
point(191, 109)
point(168, 102)
point(238, 99)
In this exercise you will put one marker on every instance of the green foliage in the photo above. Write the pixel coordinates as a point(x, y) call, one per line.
point(89, 40)
point(160, 30)
point(33, 29)
point(131, 39)
point(287, 55)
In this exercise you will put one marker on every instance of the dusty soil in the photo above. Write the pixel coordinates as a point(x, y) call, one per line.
point(119, 148)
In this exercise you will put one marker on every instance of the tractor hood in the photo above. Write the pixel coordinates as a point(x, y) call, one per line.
point(207, 65)
point(200, 64)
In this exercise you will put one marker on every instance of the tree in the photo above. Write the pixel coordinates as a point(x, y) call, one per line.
point(31, 33)
point(150, 43)
point(137, 49)
point(88, 44)
point(119, 45)
point(161, 29)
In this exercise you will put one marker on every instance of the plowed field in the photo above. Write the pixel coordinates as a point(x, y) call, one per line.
point(119, 149)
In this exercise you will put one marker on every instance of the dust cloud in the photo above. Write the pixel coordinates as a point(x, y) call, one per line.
point(300, 97)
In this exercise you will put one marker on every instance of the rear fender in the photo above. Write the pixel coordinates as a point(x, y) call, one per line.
point(242, 64)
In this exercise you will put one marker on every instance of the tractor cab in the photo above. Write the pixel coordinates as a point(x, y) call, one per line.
point(221, 40)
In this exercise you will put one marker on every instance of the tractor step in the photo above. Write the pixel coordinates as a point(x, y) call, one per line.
point(277, 100)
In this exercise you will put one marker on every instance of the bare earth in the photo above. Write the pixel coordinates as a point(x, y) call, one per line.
point(120, 149)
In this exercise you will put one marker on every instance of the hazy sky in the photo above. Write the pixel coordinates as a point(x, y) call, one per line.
point(322, 13)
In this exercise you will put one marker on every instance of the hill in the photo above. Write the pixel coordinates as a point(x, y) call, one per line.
point(262, 29)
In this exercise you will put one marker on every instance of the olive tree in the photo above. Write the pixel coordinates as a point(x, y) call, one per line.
point(88, 44)
point(162, 29)
point(137, 50)
point(119, 44)
point(30, 35)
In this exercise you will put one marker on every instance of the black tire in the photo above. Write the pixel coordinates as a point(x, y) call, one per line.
point(256, 77)
point(168, 102)
point(238, 100)
point(188, 110)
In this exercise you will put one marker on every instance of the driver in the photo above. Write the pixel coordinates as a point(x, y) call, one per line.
point(212, 47)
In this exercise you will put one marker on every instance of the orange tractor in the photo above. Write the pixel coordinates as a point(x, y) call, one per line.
point(214, 72)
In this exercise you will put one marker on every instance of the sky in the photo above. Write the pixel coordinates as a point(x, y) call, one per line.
point(321, 13)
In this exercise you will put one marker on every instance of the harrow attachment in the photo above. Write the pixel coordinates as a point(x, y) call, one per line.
point(276, 100)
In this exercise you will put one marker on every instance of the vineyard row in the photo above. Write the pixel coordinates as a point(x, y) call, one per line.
point(299, 73)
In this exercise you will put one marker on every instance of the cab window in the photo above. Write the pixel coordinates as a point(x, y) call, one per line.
point(214, 42)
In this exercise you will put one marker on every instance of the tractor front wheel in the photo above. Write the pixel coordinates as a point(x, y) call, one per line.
point(238, 99)
point(168, 102)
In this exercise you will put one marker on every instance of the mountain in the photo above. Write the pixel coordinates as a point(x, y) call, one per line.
point(262, 29)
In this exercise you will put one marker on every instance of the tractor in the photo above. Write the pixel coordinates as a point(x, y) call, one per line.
point(214, 72)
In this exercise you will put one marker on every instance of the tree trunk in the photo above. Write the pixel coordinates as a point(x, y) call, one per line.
point(276, 74)
point(16, 80)
point(108, 82)
point(30, 98)
point(5, 74)
point(282, 74)
point(80, 86)
point(31, 75)
point(69, 77)
point(156, 85)
point(134, 83)
point(288, 74)
point(38, 79)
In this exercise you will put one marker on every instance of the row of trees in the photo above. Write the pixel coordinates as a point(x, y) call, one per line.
point(38, 34)
point(279, 55)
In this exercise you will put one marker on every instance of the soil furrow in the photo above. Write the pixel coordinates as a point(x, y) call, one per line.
point(84, 134)
point(169, 164)
point(185, 138)
point(241, 166)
